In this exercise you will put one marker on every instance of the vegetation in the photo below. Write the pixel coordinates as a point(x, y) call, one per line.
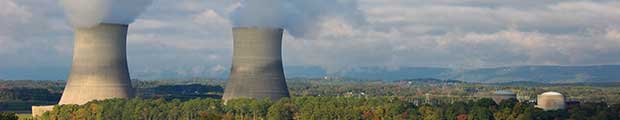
point(331, 98)
point(8, 116)
point(323, 108)
point(182, 92)
point(20, 95)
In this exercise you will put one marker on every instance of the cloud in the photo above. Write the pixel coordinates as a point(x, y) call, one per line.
point(5, 44)
point(10, 9)
point(210, 17)
point(84, 13)
point(194, 36)
point(409, 33)
point(149, 24)
point(613, 34)
point(21, 27)
point(299, 17)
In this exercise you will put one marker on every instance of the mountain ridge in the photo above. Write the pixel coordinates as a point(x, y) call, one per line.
point(541, 74)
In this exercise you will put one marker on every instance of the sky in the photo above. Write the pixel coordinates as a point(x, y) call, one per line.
point(193, 37)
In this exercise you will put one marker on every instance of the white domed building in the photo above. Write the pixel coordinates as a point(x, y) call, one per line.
point(551, 101)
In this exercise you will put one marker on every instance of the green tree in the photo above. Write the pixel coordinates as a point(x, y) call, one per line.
point(509, 103)
point(8, 116)
point(480, 113)
point(429, 112)
point(281, 110)
point(485, 102)
point(525, 116)
point(455, 109)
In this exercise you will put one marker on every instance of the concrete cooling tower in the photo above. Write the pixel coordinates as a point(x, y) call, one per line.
point(551, 101)
point(99, 69)
point(257, 65)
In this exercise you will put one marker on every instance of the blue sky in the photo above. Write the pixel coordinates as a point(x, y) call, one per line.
point(193, 37)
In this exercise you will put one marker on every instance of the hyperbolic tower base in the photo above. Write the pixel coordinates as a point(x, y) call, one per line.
point(257, 65)
point(99, 69)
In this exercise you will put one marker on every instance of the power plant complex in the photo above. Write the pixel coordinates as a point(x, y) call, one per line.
point(256, 70)
point(99, 70)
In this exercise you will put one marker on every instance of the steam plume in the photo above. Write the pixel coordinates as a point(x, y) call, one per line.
point(86, 13)
point(298, 17)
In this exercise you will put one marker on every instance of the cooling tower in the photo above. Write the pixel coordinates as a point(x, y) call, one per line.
point(99, 69)
point(257, 65)
point(551, 101)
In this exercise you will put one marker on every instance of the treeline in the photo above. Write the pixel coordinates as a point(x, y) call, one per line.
point(53, 85)
point(8, 116)
point(456, 90)
point(16, 99)
point(379, 88)
point(182, 92)
point(20, 95)
point(28, 94)
point(322, 108)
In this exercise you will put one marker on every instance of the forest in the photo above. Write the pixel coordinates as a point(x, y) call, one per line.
point(198, 98)
point(323, 108)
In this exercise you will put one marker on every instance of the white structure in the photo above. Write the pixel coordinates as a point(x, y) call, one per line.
point(99, 69)
point(551, 101)
point(257, 70)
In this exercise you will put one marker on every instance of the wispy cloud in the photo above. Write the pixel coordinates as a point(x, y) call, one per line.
point(190, 36)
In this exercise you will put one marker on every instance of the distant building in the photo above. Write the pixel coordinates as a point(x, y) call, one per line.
point(524, 98)
point(348, 94)
point(551, 101)
point(355, 94)
point(331, 78)
point(499, 96)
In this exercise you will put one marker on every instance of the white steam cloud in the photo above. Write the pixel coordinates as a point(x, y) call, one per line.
point(298, 17)
point(86, 13)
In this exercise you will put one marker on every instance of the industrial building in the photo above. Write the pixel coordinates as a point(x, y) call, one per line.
point(500, 95)
point(551, 101)
point(256, 70)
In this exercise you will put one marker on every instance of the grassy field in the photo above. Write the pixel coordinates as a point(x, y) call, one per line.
point(25, 116)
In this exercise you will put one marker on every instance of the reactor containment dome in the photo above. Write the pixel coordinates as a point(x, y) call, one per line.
point(551, 101)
